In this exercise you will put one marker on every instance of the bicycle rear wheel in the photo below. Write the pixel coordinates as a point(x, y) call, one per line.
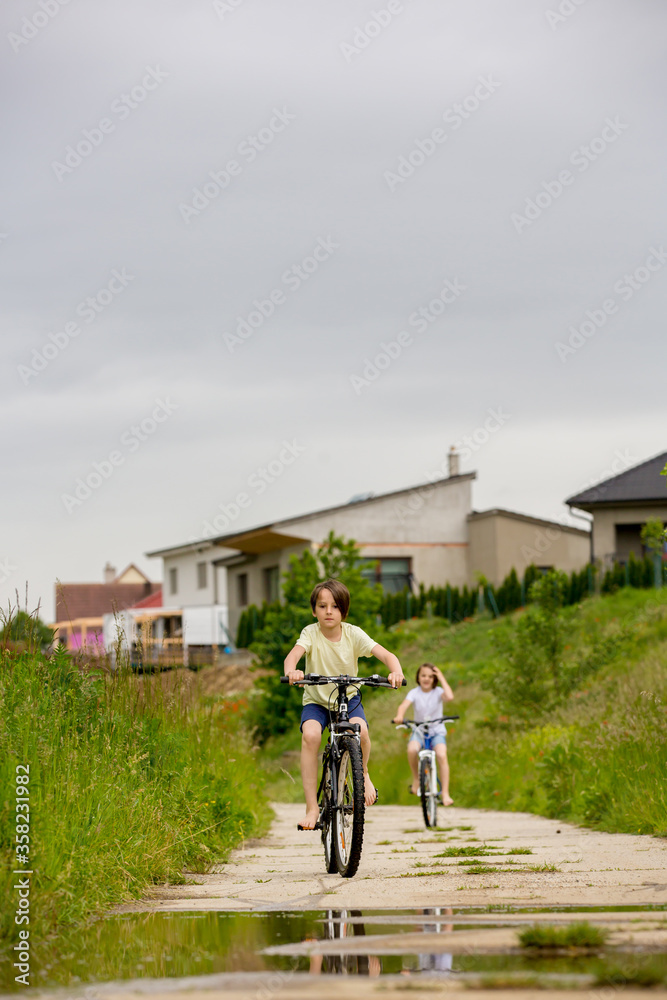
point(429, 801)
point(349, 807)
point(326, 812)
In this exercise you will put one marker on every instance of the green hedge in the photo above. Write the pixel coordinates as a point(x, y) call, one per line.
point(454, 603)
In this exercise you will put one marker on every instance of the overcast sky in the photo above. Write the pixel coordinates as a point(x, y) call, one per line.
point(451, 187)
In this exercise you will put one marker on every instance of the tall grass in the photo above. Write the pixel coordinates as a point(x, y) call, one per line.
point(128, 786)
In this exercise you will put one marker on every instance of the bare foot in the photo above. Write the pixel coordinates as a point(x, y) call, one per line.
point(414, 788)
point(311, 819)
point(447, 801)
point(369, 788)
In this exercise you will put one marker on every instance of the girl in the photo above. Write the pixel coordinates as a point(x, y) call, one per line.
point(427, 700)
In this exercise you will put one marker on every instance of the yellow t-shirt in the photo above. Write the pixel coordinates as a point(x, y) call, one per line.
point(332, 658)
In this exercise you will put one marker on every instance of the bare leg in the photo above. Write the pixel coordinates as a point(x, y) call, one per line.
point(414, 746)
point(369, 787)
point(443, 770)
point(311, 737)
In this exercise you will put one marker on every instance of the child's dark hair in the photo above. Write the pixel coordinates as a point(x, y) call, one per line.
point(430, 666)
point(338, 591)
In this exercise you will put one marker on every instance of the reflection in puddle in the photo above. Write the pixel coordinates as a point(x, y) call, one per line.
point(341, 925)
point(340, 942)
point(337, 928)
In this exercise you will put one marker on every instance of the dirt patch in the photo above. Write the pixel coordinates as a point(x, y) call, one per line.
point(234, 676)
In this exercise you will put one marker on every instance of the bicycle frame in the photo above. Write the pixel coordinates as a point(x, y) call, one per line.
point(340, 795)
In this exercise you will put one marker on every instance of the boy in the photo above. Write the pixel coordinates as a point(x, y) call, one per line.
point(427, 698)
point(332, 646)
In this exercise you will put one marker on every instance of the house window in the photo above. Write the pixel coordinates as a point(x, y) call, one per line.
point(393, 574)
point(242, 589)
point(271, 584)
point(173, 580)
point(202, 575)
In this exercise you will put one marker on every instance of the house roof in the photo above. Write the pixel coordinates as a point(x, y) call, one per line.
point(91, 600)
point(478, 515)
point(265, 531)
point(153, 600)
point(641, 484)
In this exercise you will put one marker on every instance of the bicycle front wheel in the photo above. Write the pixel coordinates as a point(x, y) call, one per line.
point(429, 800)
point(326, 812)
point(349, 807)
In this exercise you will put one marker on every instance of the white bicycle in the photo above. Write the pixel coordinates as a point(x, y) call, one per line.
point(429, 785)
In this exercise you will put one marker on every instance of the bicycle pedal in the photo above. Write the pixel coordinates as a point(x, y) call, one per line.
point(318, 826)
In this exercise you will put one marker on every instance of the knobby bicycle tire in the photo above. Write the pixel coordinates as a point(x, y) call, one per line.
point(350, 807)
point(328, 831)
point(429, 801)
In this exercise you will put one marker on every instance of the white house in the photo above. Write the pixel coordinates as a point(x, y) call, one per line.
point(424, 534)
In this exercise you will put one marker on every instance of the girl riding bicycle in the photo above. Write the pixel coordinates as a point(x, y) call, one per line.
point(427, 700)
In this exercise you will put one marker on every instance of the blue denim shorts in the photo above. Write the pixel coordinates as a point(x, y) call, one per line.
point(436, 740)
point(321, 714)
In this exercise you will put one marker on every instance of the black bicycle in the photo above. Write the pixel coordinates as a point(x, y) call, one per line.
point(429, 784)
point(341, 796)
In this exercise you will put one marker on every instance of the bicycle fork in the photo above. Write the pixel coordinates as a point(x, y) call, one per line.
point(429, 756)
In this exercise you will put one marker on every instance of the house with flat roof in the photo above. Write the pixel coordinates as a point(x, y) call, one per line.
point(423, 534)
point(621, 506)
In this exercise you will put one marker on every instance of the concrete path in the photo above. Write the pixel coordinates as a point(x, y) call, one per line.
point(400, 867)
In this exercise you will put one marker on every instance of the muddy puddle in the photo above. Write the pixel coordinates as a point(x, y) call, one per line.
point(467, 943)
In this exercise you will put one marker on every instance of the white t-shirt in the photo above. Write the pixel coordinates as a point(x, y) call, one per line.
point(428, 705)
point(332, 658)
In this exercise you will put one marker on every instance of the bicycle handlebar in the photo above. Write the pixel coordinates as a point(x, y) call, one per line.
point(343, 680)
point(427, 722)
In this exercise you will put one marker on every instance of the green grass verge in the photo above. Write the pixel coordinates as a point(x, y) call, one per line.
point(128, 786)
point(575, 935)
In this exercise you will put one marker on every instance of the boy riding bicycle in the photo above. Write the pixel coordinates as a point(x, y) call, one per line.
point(332, 646)
point(427, 698)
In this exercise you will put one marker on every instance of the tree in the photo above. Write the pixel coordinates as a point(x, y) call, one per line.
point(278, 708)
point(530, 675)
point(25, 629)
point(653, 535)
point(653, 538)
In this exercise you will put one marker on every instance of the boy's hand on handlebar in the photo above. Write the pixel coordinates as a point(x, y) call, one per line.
point(294, 675)
point(396, 678)
point(398, 721)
